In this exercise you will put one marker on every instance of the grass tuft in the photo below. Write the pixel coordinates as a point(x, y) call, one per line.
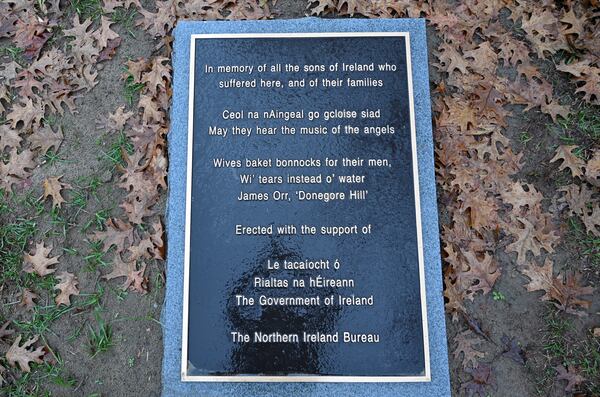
point(86, 8)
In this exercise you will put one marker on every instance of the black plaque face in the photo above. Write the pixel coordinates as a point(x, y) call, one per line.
point(267, 297)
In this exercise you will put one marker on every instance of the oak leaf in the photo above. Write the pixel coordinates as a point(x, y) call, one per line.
point(570, 161)
point(321, 7)
point(591, 86)
point(157, 238)
point(483, 377)
point(142, 250)
point(554, 109)
point(575, 24)
point(19, 167)
point(26, 114)
point(158, 76)
point(110, 50)
point(513, 350)
point(4, 331)
point(152, 113)
point(521, 199)
point(481, 274)
point(109, 6)
point(45, 138)
point(451, 59)
point(139, 207)
point(513, 51)
point(592, 169)
point(563, 292)
point(484, 57)
point(577, 198)
point(135, 69)
point(117, 233)
point(117, 120)
point(104, 34)
point(542, 29)
point(27, 299)
point(465, 344)
point(9, 138)
point(571, 375)
point(158, 24)
point(52, 188)
point(530, 239)
point(40, 261)
point(31, 34)
point(134, 277)
point(577, 69)
point(455, 297)
point(248, 9)
point(67, 286)
point(23, 355)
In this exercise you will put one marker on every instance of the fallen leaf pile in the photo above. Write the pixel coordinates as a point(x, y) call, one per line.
point(144, 173)
point(491, 209)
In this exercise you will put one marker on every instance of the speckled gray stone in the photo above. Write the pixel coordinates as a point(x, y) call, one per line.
point(172, 311)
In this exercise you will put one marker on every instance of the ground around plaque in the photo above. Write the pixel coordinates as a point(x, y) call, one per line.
point(109, 341)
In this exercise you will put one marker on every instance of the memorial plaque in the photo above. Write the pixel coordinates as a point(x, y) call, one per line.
point(303, 240)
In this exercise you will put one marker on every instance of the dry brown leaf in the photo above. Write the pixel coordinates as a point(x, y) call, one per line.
point(117, 120)
point(577, 69)
point(27, 299)
point(158, 76)
point(483, 377)
point(158, 24)
point(565, 292)
point(321, 7)
point(247, 9)
point(67, 286)
point(455, 297)
point(484, 59)
point(592, 169)
point(577, 198)
point(530, 239)
point(135, 279)
point(142, 250)
point(152, 113)
point(465, 344)
point(451, 59)
point(513, 51)
point(9, 138)
point(481, 274)
point(135, 69)
point(4, 331)
point(23, 355)
point(110, 50)
point(554, 109)
point(591, 86)
point(40, 261)
point(45, 138)
point(31, 34)
point(572, 23)
point(109, 6)
point(26, 114)
point(543, 31)
point(19, 167)
point(157, 240)
point(52, 188)
point(139, 207)
point(521, 199)
point(104, 34)
point(117, 233)
point(570, 161)
point(572, 376)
